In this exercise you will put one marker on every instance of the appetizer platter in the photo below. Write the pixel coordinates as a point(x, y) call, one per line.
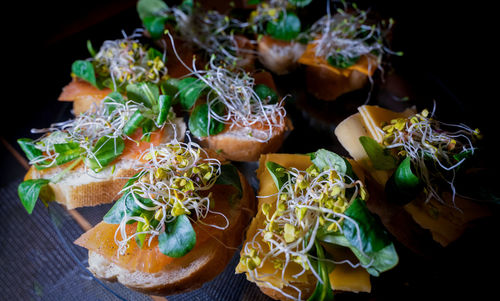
point(259, 150)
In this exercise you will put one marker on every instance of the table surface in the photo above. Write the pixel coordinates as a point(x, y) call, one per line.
point(39, 261)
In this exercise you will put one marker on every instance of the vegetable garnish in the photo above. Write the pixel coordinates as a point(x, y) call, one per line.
point(169, 190)
point(96, 137)
point(429, 152)
point(325, 204)
point(121, 62)
point(277, 19)
point(232, 98)
point(341, 39)
point(210, 30)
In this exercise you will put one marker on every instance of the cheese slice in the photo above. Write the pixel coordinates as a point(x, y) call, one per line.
point(343, 277)
point(445, 222)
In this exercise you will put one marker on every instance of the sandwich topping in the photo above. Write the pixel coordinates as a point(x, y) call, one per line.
point(427, 150)
point(321, 205)
point(170, 189)
point(344, 37)
point(121, 62)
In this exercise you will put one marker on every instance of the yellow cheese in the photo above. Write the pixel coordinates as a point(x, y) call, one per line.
point(342, 278)
point(445, 222)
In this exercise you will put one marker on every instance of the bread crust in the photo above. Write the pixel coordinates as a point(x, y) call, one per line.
point(191, 271)
point(236, 147)
point(279, 56)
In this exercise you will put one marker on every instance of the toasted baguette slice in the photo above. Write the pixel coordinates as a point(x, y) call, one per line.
point(205, 261)
point(240, 144)
point(326, 82)
point(82, 187)
point(342, 278)
point(82, 94)
point(444, 221)
point(278, 56)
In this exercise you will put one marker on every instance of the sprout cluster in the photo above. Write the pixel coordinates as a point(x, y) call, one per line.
point(106, 119)
point(126, 61)
point(175, 178)
point(309, 202)
point(436, 149)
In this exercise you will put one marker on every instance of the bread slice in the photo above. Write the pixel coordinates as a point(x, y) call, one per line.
point(203, 263)
point(279, 56)
point(83, 187)
point(240, 144)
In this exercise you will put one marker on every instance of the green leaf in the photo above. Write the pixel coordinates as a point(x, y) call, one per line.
point(253, 2)
point(90, 48)
point(380, 261)
point(178, 238)
point(266, 93)
point(147, 128)
point(371, 236)
point(286, 28)
point(29, 191)
point(164, 105)
point(300, 3)
point(200, 123)
point(342, 62)
point(463, 155)
point(139, 238)
point(403, 186)
point(323, 291)
point(145, 93)
point(126, 205)
point(29, 148)
point(379, 156)
point(134, 122)
point(170, 87)
point(154, 53)
point(324, 159)
point(112, 97)
point(229, 176)
point(155, 25)
point(190, 89)
point(67, 152)
point(148, 8)
point(85, 71)
point(104, 152)
point(278, 173)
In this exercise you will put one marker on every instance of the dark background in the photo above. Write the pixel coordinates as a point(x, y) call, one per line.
point(449, 54)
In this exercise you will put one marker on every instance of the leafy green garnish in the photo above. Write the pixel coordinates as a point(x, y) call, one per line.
point(164, 105)
point(340, 61)
point(371, 236)
point(29, 192)
point(126, 205)
point(145, 93)
point(67, 152)
point(380, 261)
point(151, 12)
point(378, 155)
point(90, 48)
point(104, 152)
point(286, 27)
point(190, 89)
point(32, 153)
point(84, 70)
point(300, 3)
point(200, 123)
point(323, 290)
point(178, 238)
point(264, 92)
point(324, 159)
point(229, 176)
point(403, 186)
point(278, 173)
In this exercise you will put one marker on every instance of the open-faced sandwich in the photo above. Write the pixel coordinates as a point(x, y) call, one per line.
point(207, 32)
point(278, 27)
point(117, 64)
point(313, 233)
point(177, 225)
point(85, 161)
point(415, 159)
point(344, 52)
point(237, 114)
